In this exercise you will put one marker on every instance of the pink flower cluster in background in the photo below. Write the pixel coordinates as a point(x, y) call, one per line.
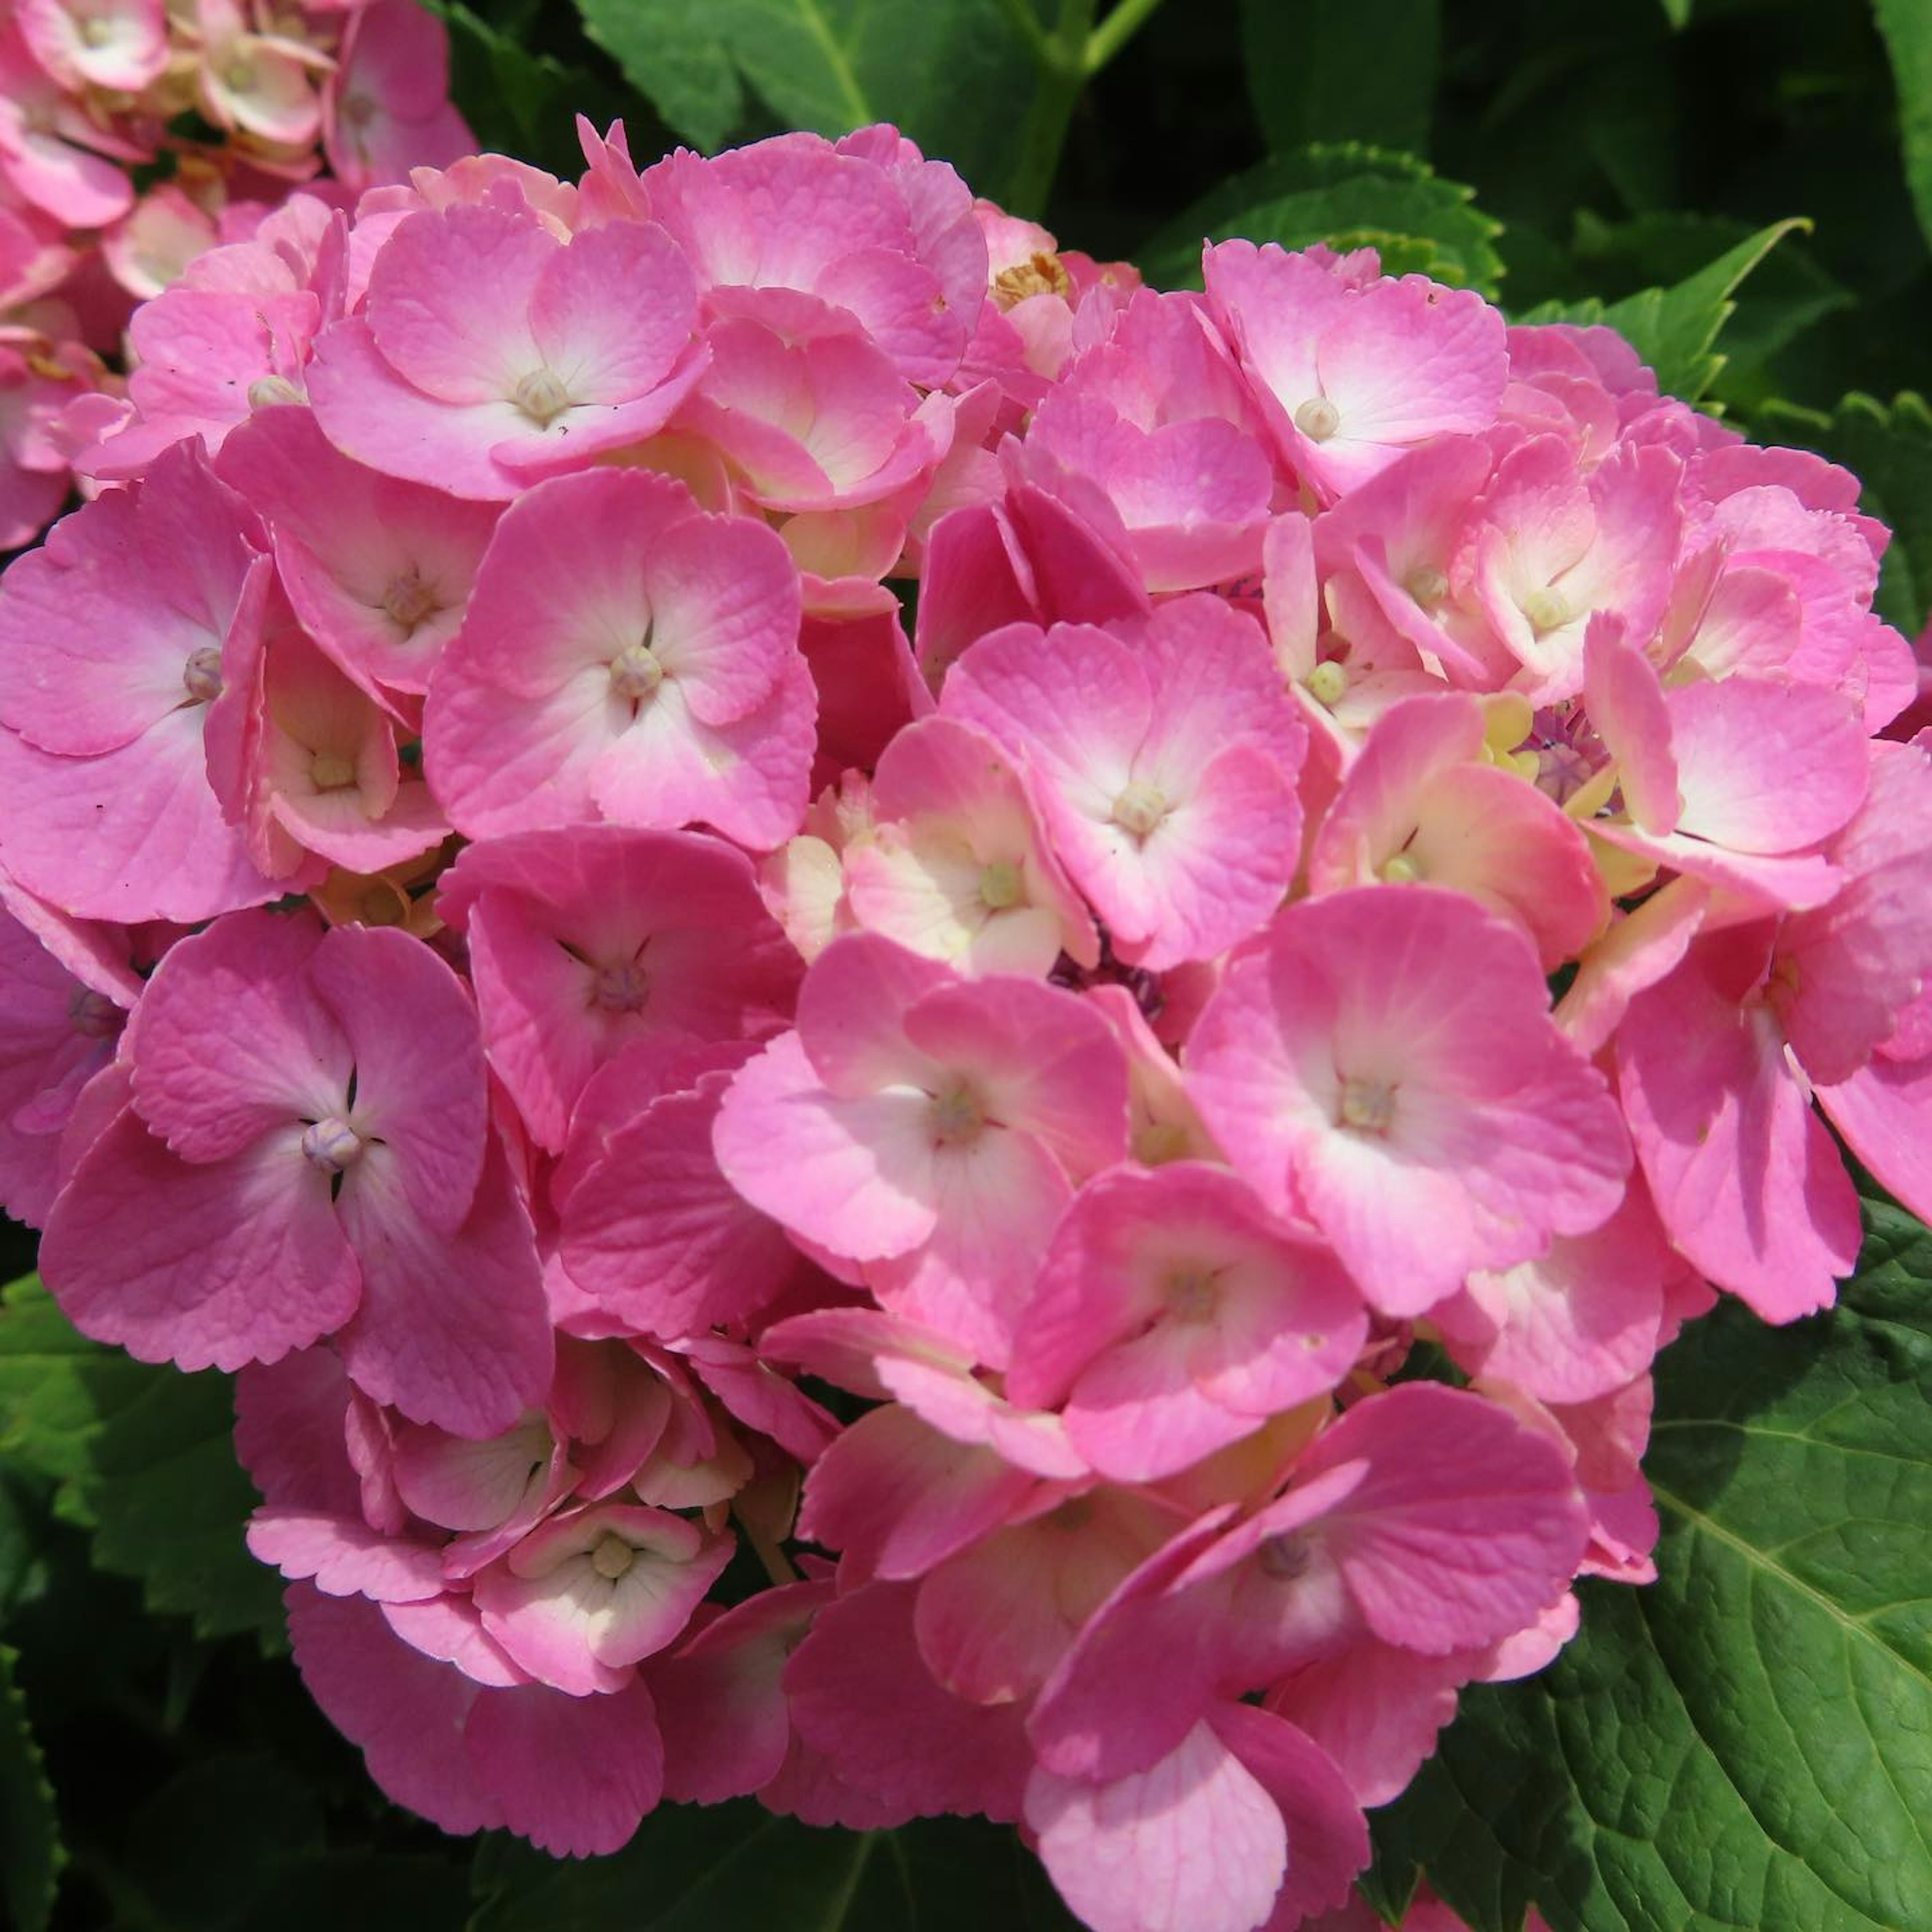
point(1065, 1216)
point(135, 135)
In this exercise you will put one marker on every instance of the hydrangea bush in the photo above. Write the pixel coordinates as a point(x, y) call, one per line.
point(135, 135)
point(1131, 1140)
point(935, 1036)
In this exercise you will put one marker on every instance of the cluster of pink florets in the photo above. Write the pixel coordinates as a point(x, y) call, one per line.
point(223, 106)
point(593, 987)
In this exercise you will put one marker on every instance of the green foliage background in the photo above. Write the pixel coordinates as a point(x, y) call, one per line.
point(1745, 187)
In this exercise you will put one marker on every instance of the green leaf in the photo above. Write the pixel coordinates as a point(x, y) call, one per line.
point(672, 53)
point(953, 74)
point(1747, 1742)
point(55, 1386)
point(736, 1865)
point(31, 1855)
point(1349, 196)
point(1675, 329)
point(1906, 26)
point(1786, 295)
point(145, 1461)
point(516, 101)
point(1343, 69)
point(1889, 449)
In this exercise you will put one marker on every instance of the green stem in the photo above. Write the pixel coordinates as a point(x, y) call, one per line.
point(1063, 72)
point(1116, 31)
point(1026, 24)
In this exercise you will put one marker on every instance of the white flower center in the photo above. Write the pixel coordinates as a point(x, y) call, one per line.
point(540, 396)
point(1284, 1557)
point(1001, 885)
point(331, 1144)
point(1317, 419)
point(612, 1557)
point(955, 1116)
point(619, 989)
point(201, 676)
point(1548, 610)
point(635, 672)
point(1328, 683)
point(1139, 809)
point(266, 391)
point(1368, 1106)
point(329, 771)
point(409, 600)
point(1192, 1298)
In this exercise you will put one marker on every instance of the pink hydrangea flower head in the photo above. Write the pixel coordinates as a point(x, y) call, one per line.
point(1163, 757)
point(117, 640)
point(378, 570)
point(815, 417)
point(928, 1127)
point(1550, 549)
point(1424, 801)
point(1426, 1517)
point(120, 45)
point(959, 867)
point(1158, 418)
point(629, 657)
point(594, 1591)
point(308, 1153)
point(490, 352)
point(585, 939)
point(1173, 1316)
point(869, 226)
point(386, 109)
point(1386, 1065)
point(65, 987)
point(1349, 376)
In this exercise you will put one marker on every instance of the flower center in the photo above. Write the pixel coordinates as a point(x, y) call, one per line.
point(1401, 870)
point(1368, 1106)
point(1139, 809)
point(266, 391)
point(239, 77)
point(1158, 1142)
point(635, 672)
point(201, 676)
point(1426, 586)
point(542, 397)
point(331, 1144)
point(95, 33)
point(94, 1016)
point(1039, 274)
point(619, 989)
point(329, 771)
point(1284, 1557)
point(1318, 419)
point(956, 1117)
point(409, 600)
point(1001, 885)
point(1328, 683)
point(612, 1557)
point(1548, 610)
point(1192, 1298)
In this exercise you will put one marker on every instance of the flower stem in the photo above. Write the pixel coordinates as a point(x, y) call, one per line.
point(1116, 31)
point(1062, 57)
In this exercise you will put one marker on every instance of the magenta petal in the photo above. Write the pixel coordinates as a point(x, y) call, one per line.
point(573, 1775)
point(406, 1712)
point(217, 1263)
point(860, 1694)
point(344, 1557)
point(1193, 1840)
point(453, 1329)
